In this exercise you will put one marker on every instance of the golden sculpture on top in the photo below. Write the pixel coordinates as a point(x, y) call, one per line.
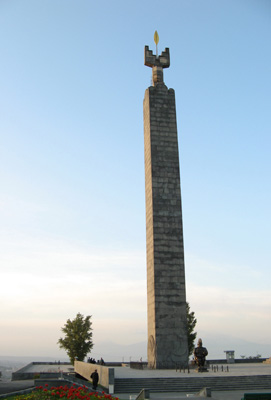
point(156, 40)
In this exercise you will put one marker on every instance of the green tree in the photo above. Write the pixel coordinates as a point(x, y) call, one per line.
point(78, 337)
point(191, 323)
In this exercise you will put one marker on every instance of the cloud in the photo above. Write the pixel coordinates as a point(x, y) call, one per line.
point(46, 281)
point(236, 312)
point(228, 298)
point(41, 254)
point(210, 270)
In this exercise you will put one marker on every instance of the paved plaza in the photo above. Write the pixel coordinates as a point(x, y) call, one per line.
point(234, 370)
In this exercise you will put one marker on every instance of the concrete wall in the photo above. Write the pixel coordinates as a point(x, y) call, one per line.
point(106, 375)
point(22, 373)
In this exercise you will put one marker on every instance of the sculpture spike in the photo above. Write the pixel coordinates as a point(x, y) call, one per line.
point(156, 40)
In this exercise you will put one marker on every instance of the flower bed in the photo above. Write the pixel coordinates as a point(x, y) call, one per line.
point(63, 392)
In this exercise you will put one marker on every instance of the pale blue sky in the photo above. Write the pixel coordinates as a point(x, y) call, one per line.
point(72, 82)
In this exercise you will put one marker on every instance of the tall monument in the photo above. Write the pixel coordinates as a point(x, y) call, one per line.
point(167, 331)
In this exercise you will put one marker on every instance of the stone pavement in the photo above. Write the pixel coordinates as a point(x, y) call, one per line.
point(234, 370)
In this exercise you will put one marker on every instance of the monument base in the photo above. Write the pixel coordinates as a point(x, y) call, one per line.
point(201, 369)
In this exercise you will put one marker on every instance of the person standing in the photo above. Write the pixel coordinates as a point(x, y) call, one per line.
point(95, 379)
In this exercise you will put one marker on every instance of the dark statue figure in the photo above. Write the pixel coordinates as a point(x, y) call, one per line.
point(200, 353)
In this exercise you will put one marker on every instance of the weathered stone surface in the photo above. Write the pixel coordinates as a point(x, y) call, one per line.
point(167, 334)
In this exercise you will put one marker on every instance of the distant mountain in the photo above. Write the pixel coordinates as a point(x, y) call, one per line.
point(216, 345)
point(110, 351)
point(20, 361)
point(116, 352)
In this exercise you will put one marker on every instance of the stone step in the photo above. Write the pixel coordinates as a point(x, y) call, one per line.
point(134, 385)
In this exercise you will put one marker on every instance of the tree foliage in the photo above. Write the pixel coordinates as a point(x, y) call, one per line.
point(191, 323)
point(78, 337)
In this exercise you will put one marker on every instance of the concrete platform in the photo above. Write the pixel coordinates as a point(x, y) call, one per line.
point(49, 368)
point(234, 370)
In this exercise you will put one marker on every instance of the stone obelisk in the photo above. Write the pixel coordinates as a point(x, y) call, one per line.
point(167, 331)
